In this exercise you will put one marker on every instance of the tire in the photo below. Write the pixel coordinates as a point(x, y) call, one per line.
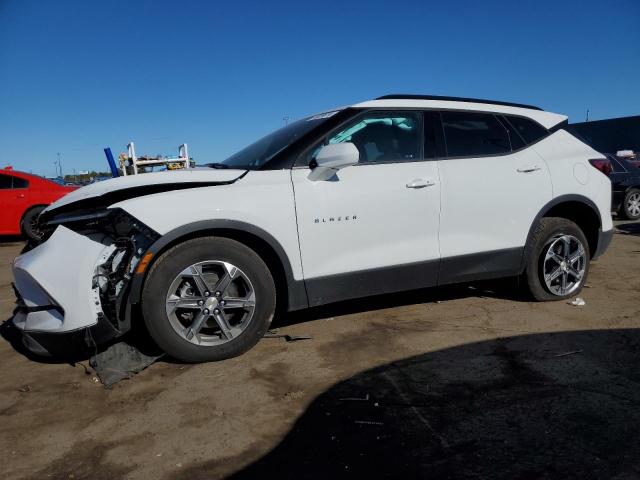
point(546, 254)
point(182, 277)
point(630, 208)
point(28, 224)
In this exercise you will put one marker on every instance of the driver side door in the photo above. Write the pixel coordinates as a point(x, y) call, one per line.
point(373, 227)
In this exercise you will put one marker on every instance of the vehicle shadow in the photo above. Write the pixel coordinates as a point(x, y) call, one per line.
point(632, 228)
point(552, 405)
point(74, 352)
point(12, 335)
point(6, 240)
point(139, 337)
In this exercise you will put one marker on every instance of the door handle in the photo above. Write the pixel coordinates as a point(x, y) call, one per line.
point(529, 168)
point(20, 195)
point(420, 183)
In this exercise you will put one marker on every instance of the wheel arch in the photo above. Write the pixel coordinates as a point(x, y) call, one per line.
point(27, 210)
point(291, 293)
point(576, 208)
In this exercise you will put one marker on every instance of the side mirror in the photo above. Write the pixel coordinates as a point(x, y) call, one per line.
point(332, 158)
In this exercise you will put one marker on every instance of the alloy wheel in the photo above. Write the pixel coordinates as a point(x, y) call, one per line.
point(633, 204)
point(564, 265)
point(210, 303)
point(35, 228)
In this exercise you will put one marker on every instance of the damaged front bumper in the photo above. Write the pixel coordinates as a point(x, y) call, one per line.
point(59, 302)
point(72, 288)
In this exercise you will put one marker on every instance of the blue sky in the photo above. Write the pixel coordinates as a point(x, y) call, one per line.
point(76, 76)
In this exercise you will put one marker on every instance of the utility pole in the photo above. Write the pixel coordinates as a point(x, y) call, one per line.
point(285, 119)
point(587, 115)
point(59, 164)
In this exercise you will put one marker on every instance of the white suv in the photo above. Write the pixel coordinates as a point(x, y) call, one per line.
point(397, 193)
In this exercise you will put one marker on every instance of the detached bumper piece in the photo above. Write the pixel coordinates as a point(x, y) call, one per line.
point(71, 344)
point(59, 307)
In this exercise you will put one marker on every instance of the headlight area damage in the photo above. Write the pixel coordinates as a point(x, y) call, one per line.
point(75, 283)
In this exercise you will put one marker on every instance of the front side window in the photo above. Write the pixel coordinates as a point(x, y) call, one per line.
point(5, 182)
point(381, 137)
point(470, 134)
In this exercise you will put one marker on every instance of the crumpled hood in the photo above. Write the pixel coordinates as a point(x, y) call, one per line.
point(150, 183)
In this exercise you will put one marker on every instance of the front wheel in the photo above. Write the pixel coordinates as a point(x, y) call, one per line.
point(208, 299)
point(557, 261)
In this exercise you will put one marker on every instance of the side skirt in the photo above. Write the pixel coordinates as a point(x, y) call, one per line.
point(481, 266)
point(365, 283)
point(413, 276)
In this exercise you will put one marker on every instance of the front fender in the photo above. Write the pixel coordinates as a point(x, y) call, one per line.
point(296, 292)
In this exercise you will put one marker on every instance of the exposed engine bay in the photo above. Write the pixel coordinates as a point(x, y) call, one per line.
point(125, 240)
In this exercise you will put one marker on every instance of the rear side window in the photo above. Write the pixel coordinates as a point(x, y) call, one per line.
point(20, 183)
point(470, 134)
point(5, 182)
point(527, 128)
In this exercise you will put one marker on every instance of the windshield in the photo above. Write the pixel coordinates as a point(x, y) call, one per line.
point(259, 153)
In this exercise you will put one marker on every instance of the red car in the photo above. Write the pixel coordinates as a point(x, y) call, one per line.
point(22, 198)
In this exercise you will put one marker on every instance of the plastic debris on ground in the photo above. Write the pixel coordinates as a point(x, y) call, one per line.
point(289, 338)
point(121, 361)
point(578, 302)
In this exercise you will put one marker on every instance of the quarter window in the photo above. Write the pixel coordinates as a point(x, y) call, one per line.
point(470, 134)
point(527, 128)
point(20, 183)
point(5, 182)
point(387, 137)
point(514, 137)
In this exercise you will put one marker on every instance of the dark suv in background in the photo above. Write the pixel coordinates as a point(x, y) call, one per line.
point(625, 186)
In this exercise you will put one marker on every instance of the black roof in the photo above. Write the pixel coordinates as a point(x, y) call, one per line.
point(454, 99)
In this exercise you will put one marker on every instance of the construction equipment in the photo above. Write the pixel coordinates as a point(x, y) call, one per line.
point(130, 164)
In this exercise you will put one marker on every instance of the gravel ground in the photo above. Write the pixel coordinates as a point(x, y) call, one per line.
point(463, 382)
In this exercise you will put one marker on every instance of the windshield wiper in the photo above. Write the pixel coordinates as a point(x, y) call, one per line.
point(216, 165)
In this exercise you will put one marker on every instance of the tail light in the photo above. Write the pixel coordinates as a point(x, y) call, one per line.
point(602, 164)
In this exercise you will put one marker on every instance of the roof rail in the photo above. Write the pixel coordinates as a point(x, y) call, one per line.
point(454, 99)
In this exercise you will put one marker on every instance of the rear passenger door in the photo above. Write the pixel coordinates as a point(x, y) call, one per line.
point(493, 187)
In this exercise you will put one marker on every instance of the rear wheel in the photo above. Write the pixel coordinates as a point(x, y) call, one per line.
point(631, 204)
point(29, 224)
point(208, 299)
point(558, 260)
